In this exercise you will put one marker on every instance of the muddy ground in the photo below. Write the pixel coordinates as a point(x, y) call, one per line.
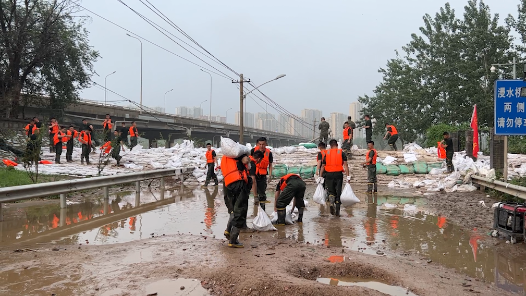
point(270, 264)
point(264, 267)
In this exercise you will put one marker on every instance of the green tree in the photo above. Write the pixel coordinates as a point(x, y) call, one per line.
point(44, 53)
point(444, 72)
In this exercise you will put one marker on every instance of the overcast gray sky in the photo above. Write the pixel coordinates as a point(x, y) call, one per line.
point(330, 50)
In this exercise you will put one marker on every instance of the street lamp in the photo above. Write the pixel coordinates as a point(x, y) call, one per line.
point(278, 77)
point(226, 115)
point(200, 108)
point(141, 64)
point(105, 89)
point(210, 114)
point(165, 100)
point(493, 69)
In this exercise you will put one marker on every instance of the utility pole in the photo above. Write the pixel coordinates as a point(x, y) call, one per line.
point(241, 98)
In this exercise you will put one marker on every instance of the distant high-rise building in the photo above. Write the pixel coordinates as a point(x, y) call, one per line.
point(248, 119)
point(159, 109)
point(355, 110)
point(218, 118)
point(197, 112)
point(182, 111)
point(336, 122)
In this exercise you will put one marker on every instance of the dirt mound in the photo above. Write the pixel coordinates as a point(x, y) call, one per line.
point(348, 269)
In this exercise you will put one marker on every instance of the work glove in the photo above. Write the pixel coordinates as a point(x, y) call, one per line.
point(322, 180)
point(348, 179)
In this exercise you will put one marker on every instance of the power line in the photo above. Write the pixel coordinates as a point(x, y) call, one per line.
point(171, 23)
point(153, 43)
point(153, 24)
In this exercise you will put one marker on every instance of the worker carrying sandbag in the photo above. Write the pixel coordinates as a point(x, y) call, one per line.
point(334, 164)
point(237, 186)
point(289, 187)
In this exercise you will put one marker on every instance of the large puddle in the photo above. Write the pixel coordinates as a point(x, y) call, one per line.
point(378, 225)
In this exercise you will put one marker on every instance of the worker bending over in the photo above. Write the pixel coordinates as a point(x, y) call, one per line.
point(391, 135)
point(289, 187)
point(334, 164)
point(237, 187)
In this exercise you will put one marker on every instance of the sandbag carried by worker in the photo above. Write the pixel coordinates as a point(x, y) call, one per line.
point(231, 149)
point(348, 198)
point(262, 222)
point(320, 195)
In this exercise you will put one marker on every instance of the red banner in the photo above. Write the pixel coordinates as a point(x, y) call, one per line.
point(475, 127)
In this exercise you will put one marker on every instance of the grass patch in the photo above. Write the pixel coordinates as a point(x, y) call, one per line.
point(12, 177)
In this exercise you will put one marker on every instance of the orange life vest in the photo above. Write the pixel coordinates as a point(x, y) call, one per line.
point(323, 153)
point(8, 162)
point(133, 131)
point(56, 139)
point(441, 151)
point(209, 157)
point(106, 147)
point(107, 124)
point(333, 161)
point(230, 171)
point(30, 130)
point(284, 179)
point(54, 128)
point(72, 135)
point(346, 135)
point(261, 167)
point(85, 138)
point(374, 157)
point(393, 130)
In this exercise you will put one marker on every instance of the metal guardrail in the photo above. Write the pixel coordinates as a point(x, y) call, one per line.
point(16, 193)
point(508, 188)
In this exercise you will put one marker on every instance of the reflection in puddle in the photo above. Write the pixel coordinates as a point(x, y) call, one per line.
point(178, 287)
point(370, 284)
point(367, 227)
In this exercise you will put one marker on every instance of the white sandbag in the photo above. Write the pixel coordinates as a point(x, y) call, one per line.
point(290, 150)
point(156, 165)
point(320, 195)
point(274, 218)
point(410, 208)
point(288, 217)
point(388, 160)
point(262, 222)
point(232, 149)
point(410, 157)
point(435, 171)
point(391, 184)
point(348, 198)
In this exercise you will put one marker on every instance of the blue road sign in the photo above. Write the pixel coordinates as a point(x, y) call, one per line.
point(510, 115)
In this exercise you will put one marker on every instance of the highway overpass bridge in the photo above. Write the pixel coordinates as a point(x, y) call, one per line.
point(155, 126)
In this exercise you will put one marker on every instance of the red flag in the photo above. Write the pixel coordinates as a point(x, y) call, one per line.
point(475, 127)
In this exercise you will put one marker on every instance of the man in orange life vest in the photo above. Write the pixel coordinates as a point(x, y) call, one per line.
point(30, 128)
point(289, 186)
point(107, 125)
point(85, 140)
point(134, 134)
point(391, 135)
point(263, 168)
point(237, 186)
point(72, 134)
point(347, 139)
point(211, 162)
point(59, 138)
point(323, 150)
point(334, 164)
point(53, 130)
point(370, 164)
